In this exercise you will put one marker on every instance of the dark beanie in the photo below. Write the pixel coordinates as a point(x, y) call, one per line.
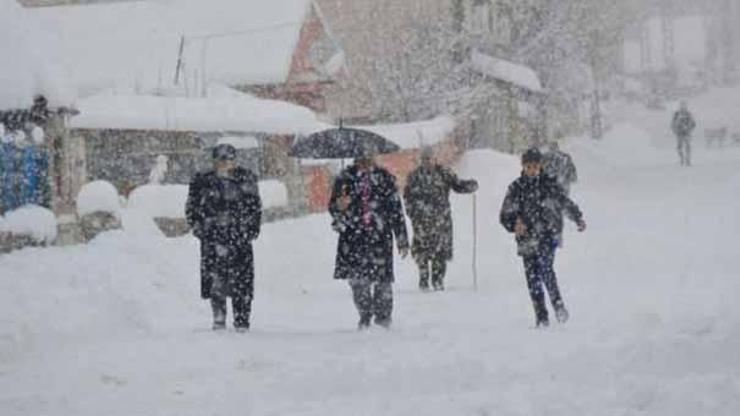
point(532, 155)
point(224, 152)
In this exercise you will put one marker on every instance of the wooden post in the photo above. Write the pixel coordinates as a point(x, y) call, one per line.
point(475, 242)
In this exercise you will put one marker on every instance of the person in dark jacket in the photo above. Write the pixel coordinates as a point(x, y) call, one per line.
point(559, 166)
point(225, 212)
point(427, 197)
point(367, 213)
point(533, 210)
point(683, 125)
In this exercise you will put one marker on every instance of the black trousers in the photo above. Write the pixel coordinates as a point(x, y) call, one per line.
point(241, 305)
point(540, 272)
point(438, 268)
point(372, 298)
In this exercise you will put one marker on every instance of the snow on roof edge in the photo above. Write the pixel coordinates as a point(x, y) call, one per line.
point(513, 73)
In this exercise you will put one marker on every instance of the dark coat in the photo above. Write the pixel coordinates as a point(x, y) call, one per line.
point(559, 166)
point(540, 202)
point(427, 197)
point(226, 215)
point(365, 251)
point(683, 123)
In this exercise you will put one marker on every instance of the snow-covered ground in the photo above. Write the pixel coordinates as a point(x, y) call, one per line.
point(116, 327)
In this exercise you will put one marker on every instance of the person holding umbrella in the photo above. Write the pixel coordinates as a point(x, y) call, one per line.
point(367, 212)
point(427, 197)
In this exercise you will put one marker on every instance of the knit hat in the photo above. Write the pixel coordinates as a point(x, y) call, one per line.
point(224, 152)
point(532, 155)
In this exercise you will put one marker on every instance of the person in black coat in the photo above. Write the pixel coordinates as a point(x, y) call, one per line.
point(683, 125)
point(533, 210)
point(427, 197)
point(559, 165)
point(225, 212)
point(367, 213)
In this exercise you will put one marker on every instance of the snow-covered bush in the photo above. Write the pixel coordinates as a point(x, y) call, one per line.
point(36, 222)
point(98, 196)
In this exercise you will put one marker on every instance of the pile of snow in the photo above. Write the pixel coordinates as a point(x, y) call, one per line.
point(220, 111)
point(159, 201)
point(98, 196)
point(31, 220)
point(168, 201)
point(273, 193)
point(139, 224)
point(416, 134)
point(29, 66)
point(516, 74)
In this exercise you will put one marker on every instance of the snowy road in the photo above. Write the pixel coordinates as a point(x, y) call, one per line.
point(116, 327)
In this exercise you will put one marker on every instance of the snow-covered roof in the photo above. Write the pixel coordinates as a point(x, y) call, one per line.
point(415, 134)
point(137, 43)
point(223, 110)
point(29, 65)
point(516, 74)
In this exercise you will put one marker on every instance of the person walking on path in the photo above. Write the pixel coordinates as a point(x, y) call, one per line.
point(427, 198)
point(533, 210)
point(559, 166)
point(683, 125)
point(367, 212)
point(224, 210)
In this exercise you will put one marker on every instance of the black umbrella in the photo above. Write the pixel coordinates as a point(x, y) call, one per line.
point(342, 143)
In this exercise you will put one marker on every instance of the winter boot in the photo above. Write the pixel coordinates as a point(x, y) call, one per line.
point(439, 285)
point(364, 323)
point(542, 323)
point(383, 322)
point(219, 321)
point(424, 285)
point(562, 314)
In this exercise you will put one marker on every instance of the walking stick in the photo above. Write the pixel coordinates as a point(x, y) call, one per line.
point(475, 243)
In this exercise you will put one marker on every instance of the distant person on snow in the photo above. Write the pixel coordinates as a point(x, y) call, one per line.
point(367, 213)
point(225, 212)
point(427, 197)
point(533, 210)
point(683, 125)
point(559, 166)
